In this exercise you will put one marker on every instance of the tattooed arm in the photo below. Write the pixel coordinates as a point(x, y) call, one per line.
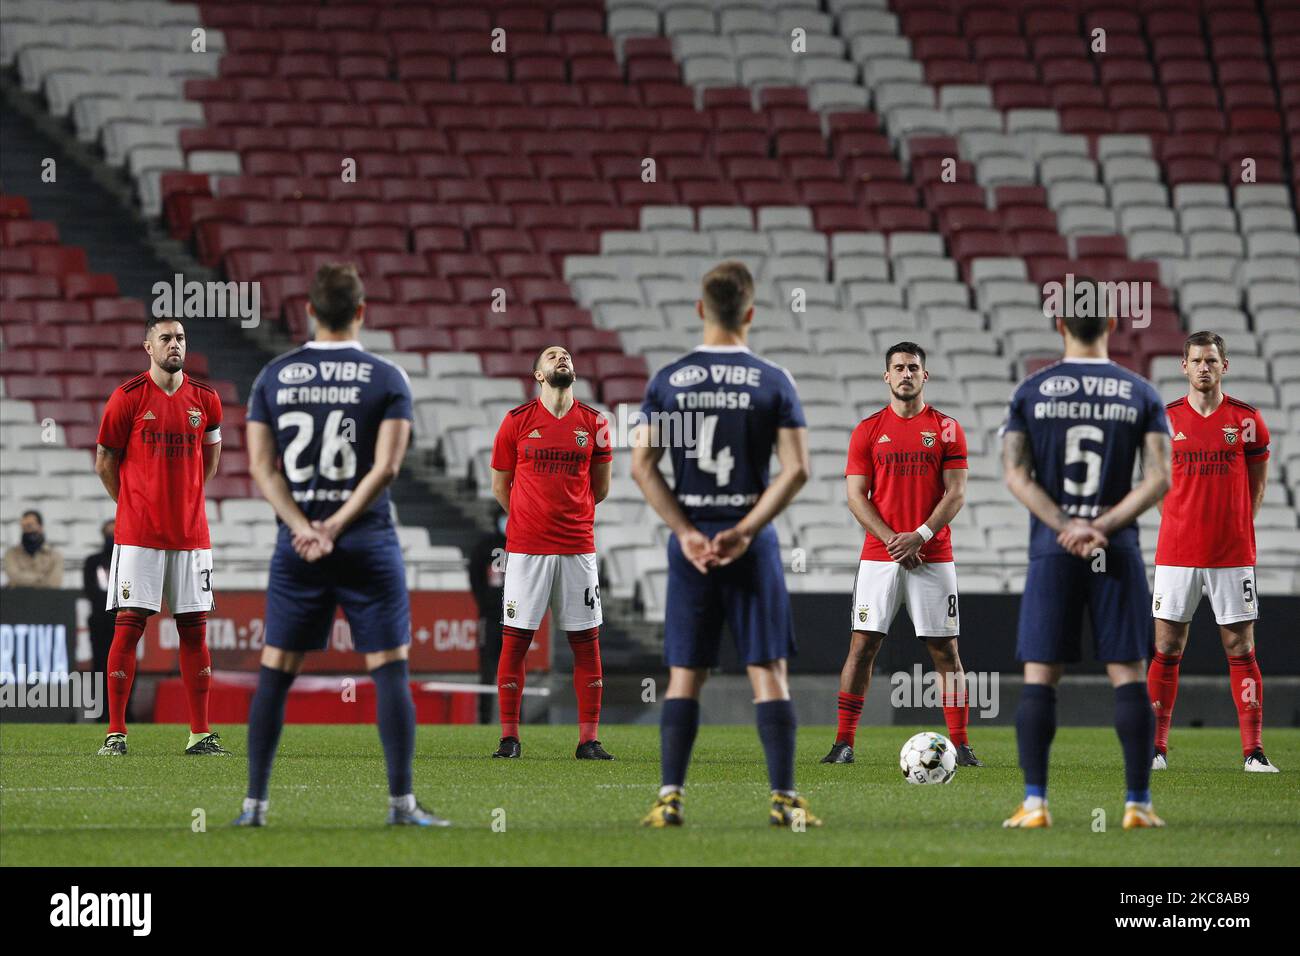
point(1073, 534)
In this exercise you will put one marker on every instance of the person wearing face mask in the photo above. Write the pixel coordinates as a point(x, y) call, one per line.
point(487, 579)
point(33, 563)
point(95, 588)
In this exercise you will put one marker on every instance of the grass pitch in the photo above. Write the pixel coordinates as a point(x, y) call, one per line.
point(62, 805)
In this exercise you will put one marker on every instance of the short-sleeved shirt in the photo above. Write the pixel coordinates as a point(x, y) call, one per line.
point(552, 508)
point(160, 438)
point(1207, 519)
point(1086, 421)
point(325, 402)
point(718, 410)
point(905, 459)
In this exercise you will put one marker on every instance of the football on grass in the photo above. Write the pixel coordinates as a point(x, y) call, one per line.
point(928, 758)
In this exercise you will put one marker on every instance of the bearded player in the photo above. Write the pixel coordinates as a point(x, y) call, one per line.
point(1207, 543)
point(159, 443)
point(550, 468)
point(1074, 432)
point(906, 470)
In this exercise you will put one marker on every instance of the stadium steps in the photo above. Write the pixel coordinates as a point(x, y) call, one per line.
point(419, 501)
point(105, 221)
point(93, 208)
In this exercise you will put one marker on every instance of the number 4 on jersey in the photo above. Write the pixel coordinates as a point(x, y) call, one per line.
point(719, 463)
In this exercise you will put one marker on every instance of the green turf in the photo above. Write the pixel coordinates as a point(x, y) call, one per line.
point(60, 804)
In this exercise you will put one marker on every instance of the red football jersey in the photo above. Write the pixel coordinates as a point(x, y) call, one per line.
point(1206, 519)
point(551, 505)
point(905, 458)
point(161, 437)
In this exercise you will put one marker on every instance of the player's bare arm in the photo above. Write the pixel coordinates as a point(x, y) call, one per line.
point(857, 489)
point(211, 456)
point(600, 472)
point(796, 467)
point(1257, 472)
point(270, 481)
point(905, 546)
point(1073, 534)
point(501, 482)
point(390, 451)
point(694, 543)
point(1156, 472)
point(107, 463)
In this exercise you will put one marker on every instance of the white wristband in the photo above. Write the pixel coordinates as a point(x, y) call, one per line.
point(925, 532)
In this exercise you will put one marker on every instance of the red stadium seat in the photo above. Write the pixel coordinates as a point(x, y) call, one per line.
point(28, 388)
point(90, 287)
point(29, 287)
point(423, 339)
point(105, 311)
point(24, 232)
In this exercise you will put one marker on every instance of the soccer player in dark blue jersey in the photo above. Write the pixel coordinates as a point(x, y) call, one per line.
point(721, 410)
point(1074, 431)
point(339, 421)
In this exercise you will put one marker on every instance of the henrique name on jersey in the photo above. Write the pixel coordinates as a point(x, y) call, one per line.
point(296, 391)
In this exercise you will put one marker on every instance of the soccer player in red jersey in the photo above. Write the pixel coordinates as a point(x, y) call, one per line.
point(906, 480)
point(1207, 542)
point(159, 443)
point(550, 468)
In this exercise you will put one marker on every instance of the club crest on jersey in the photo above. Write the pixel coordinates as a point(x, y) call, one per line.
point(512, 608)
point(927, 438)
point(126, 590)
point(581, 436)
point(863, 612)
point(196, 417)
point(1230, 434)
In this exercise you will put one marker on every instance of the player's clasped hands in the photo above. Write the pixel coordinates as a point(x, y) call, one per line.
point(313, 543)
point(905, 548)
point(707, 553)
point(1081, 538)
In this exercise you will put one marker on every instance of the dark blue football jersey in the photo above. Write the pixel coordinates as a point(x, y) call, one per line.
point(717, 410)
point(1087, 420)
point(325, 402)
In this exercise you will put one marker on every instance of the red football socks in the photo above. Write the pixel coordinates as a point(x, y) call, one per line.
point(956, 711)
point(849, 709)
point(121, 666)
point(1248, 696)
point(588, 683)
point(1162, 688)
point(196, 666)
point(515, 642)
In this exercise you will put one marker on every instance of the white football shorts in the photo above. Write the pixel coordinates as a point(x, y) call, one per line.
point(144, 577)
point(567, 583)
point(1177, 593)
point(930, 593)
